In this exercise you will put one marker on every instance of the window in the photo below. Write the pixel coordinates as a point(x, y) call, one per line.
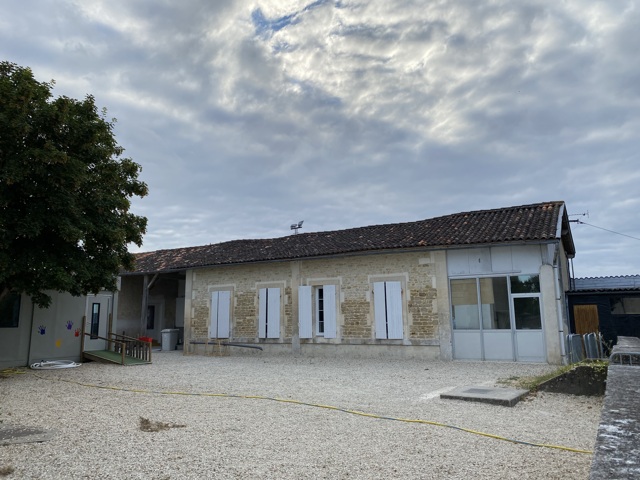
point(486, 302)
point(527, 313)
point(220, 318)
point(526, 302)
point(387, 301)
point(95, 320)
point(10, 311)
point(494, 301)
point(269, 313)
point(464, 302)
point(151, 317)
point(625, 305)
point(317, 311)
point(525, 284)
point(320, 311)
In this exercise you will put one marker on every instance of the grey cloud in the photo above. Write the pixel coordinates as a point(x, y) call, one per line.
point(347, 113)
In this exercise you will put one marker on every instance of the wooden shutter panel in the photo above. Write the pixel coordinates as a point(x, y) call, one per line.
point(586, 319)
point(329, 311)
point(262, 313)
point(379, 310)
point(304, 312)
point(273, 314)
point(213, 323)
point(224, 313)
point(394, 309)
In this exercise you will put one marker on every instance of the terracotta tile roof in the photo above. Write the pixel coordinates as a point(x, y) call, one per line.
point(527, 223)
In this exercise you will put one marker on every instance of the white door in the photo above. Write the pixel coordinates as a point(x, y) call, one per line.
point(528, 329)
point(97, 322)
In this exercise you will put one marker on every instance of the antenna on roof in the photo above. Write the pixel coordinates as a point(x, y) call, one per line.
point(577, 220)
point(296, 226)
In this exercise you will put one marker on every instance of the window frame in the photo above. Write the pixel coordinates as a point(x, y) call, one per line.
point(513, 325)
point(95, 321)
point(319, 310)
point(309, 312)
point(15, 299)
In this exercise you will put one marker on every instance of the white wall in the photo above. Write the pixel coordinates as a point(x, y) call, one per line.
point(516, 259)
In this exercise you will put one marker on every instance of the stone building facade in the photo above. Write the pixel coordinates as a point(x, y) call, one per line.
point(486, 285)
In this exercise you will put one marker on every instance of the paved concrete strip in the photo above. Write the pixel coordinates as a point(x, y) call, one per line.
point(495, 396)
point(617, 453)
point(10, 434)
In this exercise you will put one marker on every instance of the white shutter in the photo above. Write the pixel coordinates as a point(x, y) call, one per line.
point(379, 310)
point(213, 324)
point(224, 313)
point(304, 312)
point(273, 314)
point(394, 309)
point(329, 300)
point(262, 313)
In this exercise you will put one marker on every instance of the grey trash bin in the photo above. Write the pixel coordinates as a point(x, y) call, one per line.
point(169, 338)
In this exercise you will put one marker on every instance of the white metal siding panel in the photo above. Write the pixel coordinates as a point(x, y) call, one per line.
point(213, 324)
point(273, 314)
point(262, 313)
point(394, 309)
point(480, 260)
point(458, 262)
point(379, 310)
point(304, 312)
point(501, 261)
point(329, 311)
point(224, 313)
point(527, 259)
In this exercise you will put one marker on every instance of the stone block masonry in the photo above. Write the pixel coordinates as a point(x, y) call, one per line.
point(353, 276)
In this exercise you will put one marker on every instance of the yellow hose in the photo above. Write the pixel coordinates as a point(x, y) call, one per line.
point(316, 405)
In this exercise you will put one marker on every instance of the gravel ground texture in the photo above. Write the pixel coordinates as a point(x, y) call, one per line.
point(98, 432)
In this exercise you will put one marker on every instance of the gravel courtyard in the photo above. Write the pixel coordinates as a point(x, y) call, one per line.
point(98, 434)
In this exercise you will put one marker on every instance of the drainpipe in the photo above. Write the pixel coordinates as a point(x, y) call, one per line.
point(33, 310)
point(559, 309)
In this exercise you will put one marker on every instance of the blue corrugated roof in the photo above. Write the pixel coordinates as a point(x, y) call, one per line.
point(623, 282)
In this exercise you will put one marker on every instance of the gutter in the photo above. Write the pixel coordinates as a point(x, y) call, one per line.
point(559, 309)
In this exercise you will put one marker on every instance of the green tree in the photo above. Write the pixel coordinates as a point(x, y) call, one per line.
point(65, 192)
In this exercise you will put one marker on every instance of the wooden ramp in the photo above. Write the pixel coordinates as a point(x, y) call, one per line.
point(121, 350)
point(107, 356)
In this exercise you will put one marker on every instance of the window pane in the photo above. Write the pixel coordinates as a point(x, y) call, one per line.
point(10, 311)
point(95, 320)
point(464, 302)
point(527, 313)
point(525, 284)
point(320, 310)
point(625, 305)
point(494, 297)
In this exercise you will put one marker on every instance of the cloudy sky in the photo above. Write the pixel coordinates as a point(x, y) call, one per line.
point(250, 115)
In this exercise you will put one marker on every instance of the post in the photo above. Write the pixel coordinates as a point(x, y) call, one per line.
point(145, 305)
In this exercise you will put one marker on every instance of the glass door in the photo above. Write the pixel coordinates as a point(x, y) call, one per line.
point(529, 337)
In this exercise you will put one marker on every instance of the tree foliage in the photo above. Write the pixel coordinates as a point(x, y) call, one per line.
point(65, 192)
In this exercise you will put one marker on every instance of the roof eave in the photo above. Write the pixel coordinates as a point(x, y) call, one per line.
point(381, 251)
point(563, 232)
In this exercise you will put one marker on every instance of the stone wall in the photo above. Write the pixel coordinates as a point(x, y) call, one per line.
point(353, 276)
